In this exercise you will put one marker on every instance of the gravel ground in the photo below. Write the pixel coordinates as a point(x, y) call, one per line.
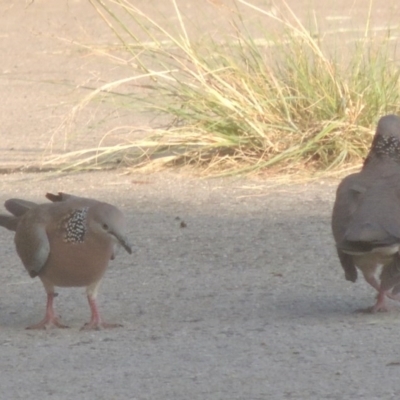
point(248, 301)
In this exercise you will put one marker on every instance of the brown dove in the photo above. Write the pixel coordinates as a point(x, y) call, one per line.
point(366, 215)
point(67, 243)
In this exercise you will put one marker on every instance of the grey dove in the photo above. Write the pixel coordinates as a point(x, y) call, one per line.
point(366, 215)
point(67, 243)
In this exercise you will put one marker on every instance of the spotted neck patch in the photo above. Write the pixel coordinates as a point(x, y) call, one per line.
point(74, 225)
point(386, 146)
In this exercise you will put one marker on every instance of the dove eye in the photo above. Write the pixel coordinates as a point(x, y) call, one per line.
point(105, 227)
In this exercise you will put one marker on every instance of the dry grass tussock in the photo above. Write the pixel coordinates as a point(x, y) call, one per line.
point(242, 104)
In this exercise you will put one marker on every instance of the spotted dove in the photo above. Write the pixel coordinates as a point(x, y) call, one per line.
point(366, 215)
point(67, 243)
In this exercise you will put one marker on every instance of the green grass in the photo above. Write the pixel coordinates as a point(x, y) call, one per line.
point(287, 101)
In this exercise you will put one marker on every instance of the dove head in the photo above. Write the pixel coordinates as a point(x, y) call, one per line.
point(108, 221)
point(386, 143)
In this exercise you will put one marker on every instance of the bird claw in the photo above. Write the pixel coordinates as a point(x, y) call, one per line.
point(378, 308)
point(97, 326)
point(48, 323)
point(374, 309)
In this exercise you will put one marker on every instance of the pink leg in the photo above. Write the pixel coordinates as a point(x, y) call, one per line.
point(380, 305)
point(95, 321)
point(372, 281)
point(50, 319)
point(375, 284)
point(393, 296)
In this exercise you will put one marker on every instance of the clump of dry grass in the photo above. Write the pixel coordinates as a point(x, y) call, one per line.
point(244, 104)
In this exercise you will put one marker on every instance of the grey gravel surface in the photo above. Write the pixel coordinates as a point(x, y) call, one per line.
point(248, 301)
